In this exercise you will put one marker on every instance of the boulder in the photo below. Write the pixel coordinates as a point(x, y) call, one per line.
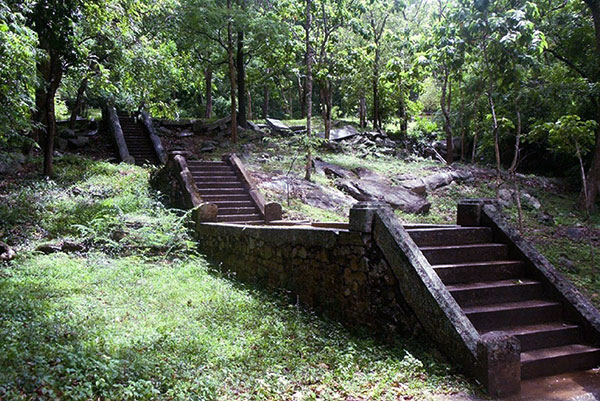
point(78, 142)
point(332, 170)
point(417, 186)
point(11, 162)
point(366, 174)
point(396, 196)
point(277, 126)
point(6, 252)
point(345, 132)
point(310, 193)
point(530, 201)
point(438, 180)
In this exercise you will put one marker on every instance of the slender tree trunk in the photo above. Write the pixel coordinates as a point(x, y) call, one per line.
point(265, 108)
point(78, 103)
point(241, 80)
point(208, 82)
point(376, 111)
point(232, 80)
point(309, 89)
point(515, 161)
point(250, 115)
point(301, 97)
point(593, 175)
point(327, 105)
point(362, 111)
point(445, 104)
point(55, 78)
point(403, 117)
point(496, 140)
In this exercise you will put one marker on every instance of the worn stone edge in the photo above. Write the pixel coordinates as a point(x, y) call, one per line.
point(419, 282)
point(114, 126)
point(156, 142)
point(586, 312)
point(276, 235)
point(270, 211)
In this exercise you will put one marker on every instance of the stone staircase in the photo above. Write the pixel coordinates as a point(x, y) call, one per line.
point(219, 183)
point(138, 141)
point(498, 292)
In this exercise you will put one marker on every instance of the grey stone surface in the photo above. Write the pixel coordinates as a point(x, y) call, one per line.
point(580, 310)
point(396, 196)
point(426, 295)
point(500, 357)
point(345, 132)
point(334, 271)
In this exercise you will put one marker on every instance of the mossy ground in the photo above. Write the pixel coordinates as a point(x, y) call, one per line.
point(140, 315)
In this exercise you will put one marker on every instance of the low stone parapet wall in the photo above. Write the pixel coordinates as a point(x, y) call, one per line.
point(335, 271)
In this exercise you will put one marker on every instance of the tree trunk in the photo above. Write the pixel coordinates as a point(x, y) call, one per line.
point(362, 111)
point(265, 108)
point(208, 82)
point(241, 80)
point(309, 89)
point(376, 119)
point(593, 175)
point(78, 103)
point(445, 104)
point(301, 97)
point(327, 105)
point(403, 117)
point(496, 140)
point(234, 123)
point(55, 78)
point(250, 116)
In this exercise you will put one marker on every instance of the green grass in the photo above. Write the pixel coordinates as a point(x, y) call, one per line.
point(144, 317)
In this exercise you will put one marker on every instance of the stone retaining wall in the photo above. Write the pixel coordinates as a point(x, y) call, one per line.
point(337, 272)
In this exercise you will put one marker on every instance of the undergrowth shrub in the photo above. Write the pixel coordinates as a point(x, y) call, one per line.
point(106, 206)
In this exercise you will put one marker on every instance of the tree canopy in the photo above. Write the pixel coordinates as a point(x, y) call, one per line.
point(481, 75)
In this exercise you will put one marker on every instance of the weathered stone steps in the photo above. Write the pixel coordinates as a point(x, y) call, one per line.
point(551, 361)
point(495, 293)
point(138, 142)
point(218, 183)
point(484, 271)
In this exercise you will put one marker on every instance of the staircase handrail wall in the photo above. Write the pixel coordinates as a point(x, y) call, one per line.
point(576, 306)
point(156, 142)
point(114, 127)
point(271, 211)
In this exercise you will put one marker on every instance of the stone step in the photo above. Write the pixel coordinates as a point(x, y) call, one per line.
point(480, 271)
point(237, 210)
point(226, 198)
point(238, 217)
point(207, 163)
point(546, 335)
point(217, 170)
point(221, 191)
point(492, 292)
point(211, 174)
point(450, 236)
point(494, 316)
point(438, 255)
point(233, 204)
point(551, 361)
point(212, 184)
point(216, 178)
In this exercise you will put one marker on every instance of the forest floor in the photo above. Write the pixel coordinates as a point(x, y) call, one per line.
point(108, 297)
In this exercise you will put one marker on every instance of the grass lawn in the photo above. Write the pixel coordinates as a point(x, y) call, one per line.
point(140, 315)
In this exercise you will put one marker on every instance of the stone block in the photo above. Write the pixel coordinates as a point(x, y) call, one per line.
point(500, 357)
point(469, 212)
point(362, 214)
